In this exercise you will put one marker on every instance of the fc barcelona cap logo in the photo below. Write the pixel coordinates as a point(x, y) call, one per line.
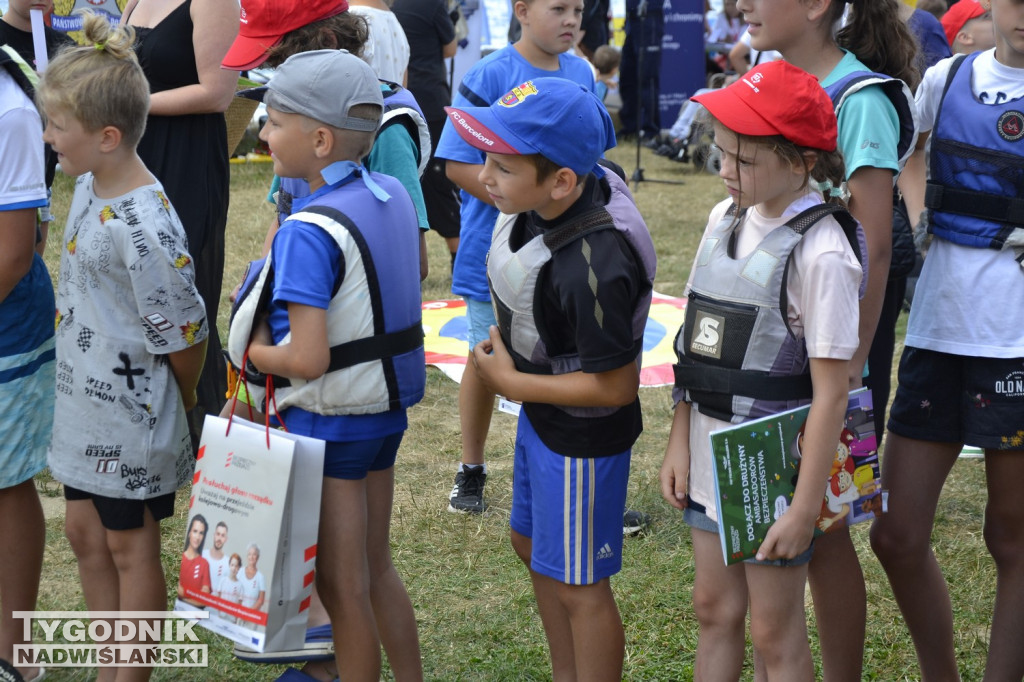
point(517, 94)
point(1011, 126)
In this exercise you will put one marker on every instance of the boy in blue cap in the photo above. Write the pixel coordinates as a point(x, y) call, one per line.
point(570, 270)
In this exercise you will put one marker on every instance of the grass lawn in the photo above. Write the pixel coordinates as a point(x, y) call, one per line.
point(473, 600)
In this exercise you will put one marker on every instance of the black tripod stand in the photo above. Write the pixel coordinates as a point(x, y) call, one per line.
point(641, 46)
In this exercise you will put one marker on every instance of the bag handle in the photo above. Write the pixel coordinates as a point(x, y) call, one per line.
point(271, 399)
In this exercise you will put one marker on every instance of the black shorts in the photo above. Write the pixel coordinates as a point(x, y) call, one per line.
point(123, 514)
point(958, 399)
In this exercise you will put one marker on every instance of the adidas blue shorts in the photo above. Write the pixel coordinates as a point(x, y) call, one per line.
point(571, 508)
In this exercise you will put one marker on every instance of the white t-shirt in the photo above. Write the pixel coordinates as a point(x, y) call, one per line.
point(126, 297)
point(387, 49)
point(230, 590)
point(219, 568)
point(21, 184)
point(823, 264)
point(251, 588)
point(969, 301)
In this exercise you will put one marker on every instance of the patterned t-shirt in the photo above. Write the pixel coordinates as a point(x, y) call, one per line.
point(126, 297)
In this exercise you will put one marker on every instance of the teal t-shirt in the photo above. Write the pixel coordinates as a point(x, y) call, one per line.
point(869, 128)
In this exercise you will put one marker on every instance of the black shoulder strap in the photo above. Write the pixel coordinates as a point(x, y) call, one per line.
point(804, 221)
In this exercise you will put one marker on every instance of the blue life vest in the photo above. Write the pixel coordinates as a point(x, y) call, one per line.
point(400, 108)
point(897, 92)
point(975, 191)
point(374, 317)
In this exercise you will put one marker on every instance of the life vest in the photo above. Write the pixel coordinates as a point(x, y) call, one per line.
point(373, 319)
point(897, 92)
point(975, 191)
point(737, 357)
point(400, 108)
point(512, 276)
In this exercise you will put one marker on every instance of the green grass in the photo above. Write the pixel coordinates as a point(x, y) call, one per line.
point(473, 600)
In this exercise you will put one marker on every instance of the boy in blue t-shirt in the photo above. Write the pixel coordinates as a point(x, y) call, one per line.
point(341, 334)
point(550, 28)
point(570, 269)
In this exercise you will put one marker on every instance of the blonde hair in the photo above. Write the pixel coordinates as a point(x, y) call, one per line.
point(99, 83)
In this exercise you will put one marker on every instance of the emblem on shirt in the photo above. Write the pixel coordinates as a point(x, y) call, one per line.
point(517, 94)
point(1011, 126)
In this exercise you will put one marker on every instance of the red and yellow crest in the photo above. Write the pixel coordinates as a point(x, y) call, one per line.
point(517, 94)
point(107, 214)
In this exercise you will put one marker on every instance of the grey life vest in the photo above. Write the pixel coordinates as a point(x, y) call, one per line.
point(738, 359)
point(513, 275)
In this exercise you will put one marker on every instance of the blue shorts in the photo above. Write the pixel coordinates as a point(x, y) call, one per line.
point(571, 508)
point(352, 460)
point(695, 516)
point(479, 318)
point(949, 398)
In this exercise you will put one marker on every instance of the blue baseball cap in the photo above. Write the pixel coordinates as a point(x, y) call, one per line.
point(554, 117)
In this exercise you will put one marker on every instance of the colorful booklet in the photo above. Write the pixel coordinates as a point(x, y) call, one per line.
point(756, 466)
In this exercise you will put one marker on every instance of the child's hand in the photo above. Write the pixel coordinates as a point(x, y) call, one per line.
point(493, 363)
point(675, 471)
point(788, 537)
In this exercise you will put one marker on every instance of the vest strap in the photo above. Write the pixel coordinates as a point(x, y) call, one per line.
point(370, 348)
point(702, 378)
point(974, 204)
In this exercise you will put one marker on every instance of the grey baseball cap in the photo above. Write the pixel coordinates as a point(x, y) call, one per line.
point(323, 85)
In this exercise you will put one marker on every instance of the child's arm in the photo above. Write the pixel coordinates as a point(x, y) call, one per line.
point(17, 247)
point(187, 365)
point(613, 388)
point(675, 468)
point(792, 533)
point(870, 203)
point(306, 356)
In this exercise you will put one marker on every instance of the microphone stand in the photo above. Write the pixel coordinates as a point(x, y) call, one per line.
point(638, 173)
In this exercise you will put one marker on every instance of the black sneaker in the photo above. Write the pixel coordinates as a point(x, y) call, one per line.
point(467, 494)
point(634, 522)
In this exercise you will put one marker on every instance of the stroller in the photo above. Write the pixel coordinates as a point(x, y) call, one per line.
point(689, 139)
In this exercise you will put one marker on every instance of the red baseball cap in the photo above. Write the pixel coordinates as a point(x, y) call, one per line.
point(263, 23)
point(959, 14)
point(776, 98)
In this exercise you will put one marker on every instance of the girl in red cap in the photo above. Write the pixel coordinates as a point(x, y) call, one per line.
point(876, 133)
point(771, 323)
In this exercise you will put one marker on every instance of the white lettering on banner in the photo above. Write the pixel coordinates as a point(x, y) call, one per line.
point(112, 638)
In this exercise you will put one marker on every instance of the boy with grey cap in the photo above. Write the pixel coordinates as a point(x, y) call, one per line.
point(334, 317)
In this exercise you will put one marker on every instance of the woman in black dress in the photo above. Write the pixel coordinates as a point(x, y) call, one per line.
point(180, 44)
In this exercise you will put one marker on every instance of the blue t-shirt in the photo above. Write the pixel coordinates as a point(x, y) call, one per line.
point(307, 266)
point(485, 82)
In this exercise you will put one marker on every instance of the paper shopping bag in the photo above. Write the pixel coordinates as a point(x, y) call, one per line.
point(250, 542)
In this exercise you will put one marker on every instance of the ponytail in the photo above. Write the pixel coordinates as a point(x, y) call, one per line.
point(876, 33)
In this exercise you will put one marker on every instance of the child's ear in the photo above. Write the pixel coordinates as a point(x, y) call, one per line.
point(323, 141)
point(110, 138)
point(520, 9)
point(565, 183)
point(810, 161)
point(816, 8)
